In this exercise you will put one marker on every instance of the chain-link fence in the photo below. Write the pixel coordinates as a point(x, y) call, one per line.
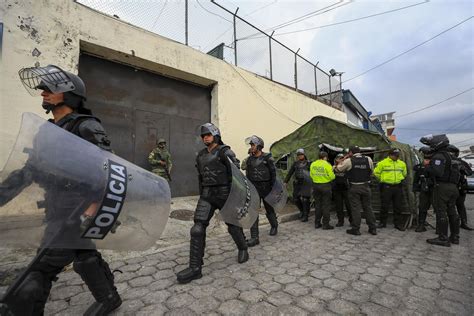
point(212, 28)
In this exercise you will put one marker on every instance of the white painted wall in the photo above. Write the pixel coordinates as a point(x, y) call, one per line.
point(242, 103)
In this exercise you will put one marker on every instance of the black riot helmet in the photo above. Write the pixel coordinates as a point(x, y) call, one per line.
point(453, 149)
point(427, 152)
point(210, 128)
point(255, 140)
point(55, 80)
point(435, 141)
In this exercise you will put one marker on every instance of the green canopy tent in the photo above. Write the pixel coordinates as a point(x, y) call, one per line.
point(322, 133)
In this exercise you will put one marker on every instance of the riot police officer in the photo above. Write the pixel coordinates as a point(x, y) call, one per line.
point(215, 178)
point(301, 184)
point(359, 169)
point(160, 160)
point(445, 171)
point(423, 186)
point(64, 94)
point(466, 171)
point(340, 192)
point(261, 172)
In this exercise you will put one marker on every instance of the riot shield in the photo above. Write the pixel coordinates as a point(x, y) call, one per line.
point(307, 184)
point(241, 207)
point(278, 196)
point(60, 191)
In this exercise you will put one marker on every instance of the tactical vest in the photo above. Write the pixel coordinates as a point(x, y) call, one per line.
point(257, 168)
point(341, 178)
point(212, 167)
point(300, 167)
point(452, 169)
point(360, 171)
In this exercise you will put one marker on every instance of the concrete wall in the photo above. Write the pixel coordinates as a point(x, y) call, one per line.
point(242, 103)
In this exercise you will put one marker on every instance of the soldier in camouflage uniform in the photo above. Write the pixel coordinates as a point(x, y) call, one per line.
point(160, 160)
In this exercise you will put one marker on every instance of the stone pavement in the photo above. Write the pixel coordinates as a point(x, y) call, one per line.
point(300, 271)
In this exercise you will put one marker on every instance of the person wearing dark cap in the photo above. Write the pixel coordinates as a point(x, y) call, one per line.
point(322, 175)
point(301, 187)
point(423, 187)
point(391, 172)
point(340, 192)
point(359, 169)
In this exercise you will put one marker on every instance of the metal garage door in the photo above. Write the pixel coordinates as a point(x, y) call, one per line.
point(137, 107)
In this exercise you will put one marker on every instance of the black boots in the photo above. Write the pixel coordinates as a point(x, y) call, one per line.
point(353, 231)
point(373, 230)
point(253, 241)
point(465, 226)
point(237, 234)
point(442, 239)
point(272, 219)
point(306, 207)
point(439, 241)
point(196, 252)
point(95, 272)
point(340, 223)
point(327, 227)
point(382, 224)
point(454, 229)
point(421, 223)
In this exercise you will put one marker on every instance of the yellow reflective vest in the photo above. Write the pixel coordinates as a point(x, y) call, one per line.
point(321, 171)
point(391, 171)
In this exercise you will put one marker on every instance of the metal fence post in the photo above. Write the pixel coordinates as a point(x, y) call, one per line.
point(330, 91)
point(235, 36)
point(270, 48)
point(186, 12)
point(296, 69)
point(316, 78)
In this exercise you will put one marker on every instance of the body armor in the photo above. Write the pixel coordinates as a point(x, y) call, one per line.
point(258, 169)
point(360, 171)
point(212, 167)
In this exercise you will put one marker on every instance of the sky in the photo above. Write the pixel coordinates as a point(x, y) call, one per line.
point(433, 72)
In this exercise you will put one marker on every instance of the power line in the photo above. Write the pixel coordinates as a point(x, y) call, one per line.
point(263, 99)
point(432, 105)
point(261, 8)
point(299, 19)
point(462, 141)
point(353, 20)
point(199, 3)
point(409, 50)
point(460, 123)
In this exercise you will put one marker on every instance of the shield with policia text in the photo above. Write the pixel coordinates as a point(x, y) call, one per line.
point(278, 196)
point(60, 191)
point(241, 207)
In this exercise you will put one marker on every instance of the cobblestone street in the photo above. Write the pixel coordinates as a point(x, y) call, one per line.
point(300, 271)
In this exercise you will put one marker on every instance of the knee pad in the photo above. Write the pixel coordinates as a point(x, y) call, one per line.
point(86, 262)
point(198, 229)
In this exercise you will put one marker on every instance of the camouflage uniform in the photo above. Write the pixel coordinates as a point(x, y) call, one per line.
point(156, 156)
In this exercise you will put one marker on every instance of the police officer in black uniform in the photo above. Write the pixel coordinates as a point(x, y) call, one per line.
point(445, 172)
point(466, 171)
point(423, 185)
point(261, 172)
point(340, 193)
point(215, 179)
point(359, 170)
point(301, 190)
point(70, 114)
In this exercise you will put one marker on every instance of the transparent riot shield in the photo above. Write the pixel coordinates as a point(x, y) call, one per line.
point(278, 196)
point(241, 207)
point(60, 191)
point(306, 185)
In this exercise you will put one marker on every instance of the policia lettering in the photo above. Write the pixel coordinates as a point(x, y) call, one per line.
point(112, 203)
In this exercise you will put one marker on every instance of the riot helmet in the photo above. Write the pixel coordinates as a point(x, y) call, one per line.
point(211, 129)
point(255, 140)
point(453, 149)
point(435, 141)
point(55, 80)
point(300, 151)
point(427, 152)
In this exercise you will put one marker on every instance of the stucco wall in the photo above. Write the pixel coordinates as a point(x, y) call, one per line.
point(242, 103)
